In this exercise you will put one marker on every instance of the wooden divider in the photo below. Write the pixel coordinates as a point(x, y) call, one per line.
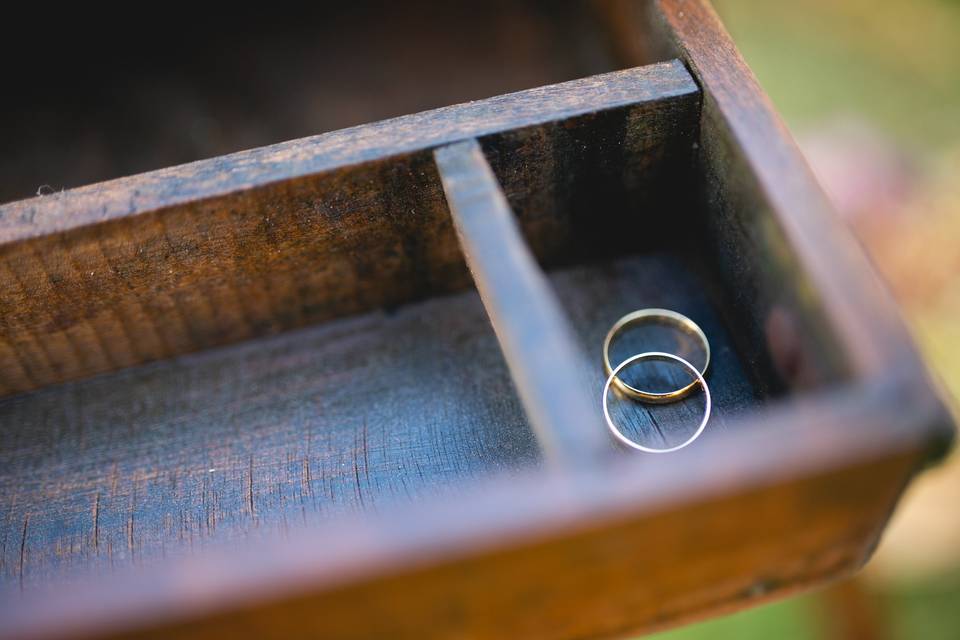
point(788, 498)
point(538, 344)
point(173, 261)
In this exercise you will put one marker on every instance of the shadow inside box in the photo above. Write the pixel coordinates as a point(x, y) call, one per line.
point(594, 296)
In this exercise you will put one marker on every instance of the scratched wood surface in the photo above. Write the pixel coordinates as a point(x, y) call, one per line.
point(162, 460)
point(777, 497)
point(155, 461)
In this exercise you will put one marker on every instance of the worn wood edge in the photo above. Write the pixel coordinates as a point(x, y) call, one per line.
point(856, 303)
point(534, 335)
point(246, 170)
point(411, 602)
point(221, 269)
point(855, 427)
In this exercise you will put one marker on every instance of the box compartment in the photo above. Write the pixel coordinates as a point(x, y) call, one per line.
point(258, 394)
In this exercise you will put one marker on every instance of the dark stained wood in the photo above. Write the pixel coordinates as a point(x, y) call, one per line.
point(165, 461)
point(746, 142)
point(545, 362)
point(665, 83)
point(630, 189)
point(176, 260)
point(608, 187)
point(174, 280)
point(605, 551)
point(804, 293)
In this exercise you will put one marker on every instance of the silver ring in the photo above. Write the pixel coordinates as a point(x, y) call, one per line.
point(655, 355)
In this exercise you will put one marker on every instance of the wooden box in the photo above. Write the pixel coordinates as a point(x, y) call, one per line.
point(348, 386)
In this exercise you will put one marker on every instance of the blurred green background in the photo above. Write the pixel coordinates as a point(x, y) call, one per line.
point(871, 90)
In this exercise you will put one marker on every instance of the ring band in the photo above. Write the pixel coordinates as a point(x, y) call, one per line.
point(665, 316)
point(656, 355)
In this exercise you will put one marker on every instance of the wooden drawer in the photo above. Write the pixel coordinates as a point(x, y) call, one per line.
point(348, 386)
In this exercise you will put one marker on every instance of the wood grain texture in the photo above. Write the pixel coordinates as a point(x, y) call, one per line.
point(612, 550)
point(126, 197)
point(167, 282)
point(545, 363)
point(287, 433)
point(164, 460)
point(616, 184)
point(177, 260)
point(775, 498)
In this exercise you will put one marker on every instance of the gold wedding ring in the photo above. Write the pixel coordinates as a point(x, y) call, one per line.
point(660, 316)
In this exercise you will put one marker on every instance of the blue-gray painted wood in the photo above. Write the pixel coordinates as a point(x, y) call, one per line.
point(283, 432)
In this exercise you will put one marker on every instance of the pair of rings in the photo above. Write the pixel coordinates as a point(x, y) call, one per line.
point(685, 325)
